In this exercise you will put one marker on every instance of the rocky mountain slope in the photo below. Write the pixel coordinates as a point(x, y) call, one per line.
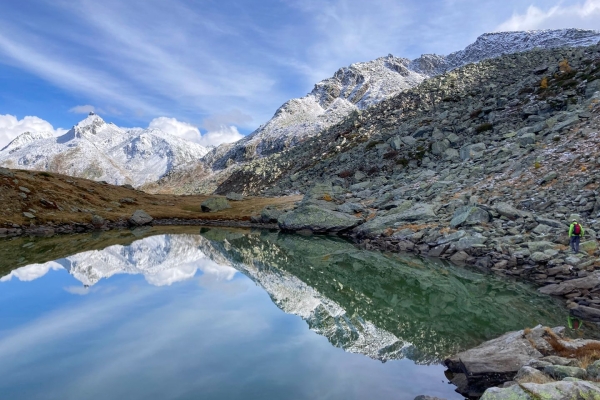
point(487, 164)
point(94, 149)
point(157, 162)
point(356, 88)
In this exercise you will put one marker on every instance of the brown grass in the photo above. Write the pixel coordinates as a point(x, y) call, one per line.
point(102, 199)
point(585, 354)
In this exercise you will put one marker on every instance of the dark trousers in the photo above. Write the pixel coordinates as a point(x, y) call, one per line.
point(575, 243)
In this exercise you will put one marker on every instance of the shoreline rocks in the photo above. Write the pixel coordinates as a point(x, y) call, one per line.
point(526, 365)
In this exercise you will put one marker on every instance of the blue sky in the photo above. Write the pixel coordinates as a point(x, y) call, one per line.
point(222, 66)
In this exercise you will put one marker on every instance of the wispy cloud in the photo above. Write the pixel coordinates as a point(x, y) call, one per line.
point(197, 63)
point(562, 15)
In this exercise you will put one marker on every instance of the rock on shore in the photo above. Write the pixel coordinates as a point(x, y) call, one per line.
point(528, 364)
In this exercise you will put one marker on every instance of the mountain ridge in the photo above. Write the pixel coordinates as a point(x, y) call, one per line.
point(351, 89)
point(102, 151)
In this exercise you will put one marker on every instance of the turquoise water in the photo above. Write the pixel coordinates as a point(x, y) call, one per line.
point(234, 314)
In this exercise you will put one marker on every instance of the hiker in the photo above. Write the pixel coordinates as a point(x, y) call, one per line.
point(575, 234)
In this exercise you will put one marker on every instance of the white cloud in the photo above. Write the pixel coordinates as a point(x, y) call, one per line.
point(86, 109)
point(11, 127)
point(31, 272)
point(224, 134)
point(216, 135)
point(176, 128)
point(585, 15)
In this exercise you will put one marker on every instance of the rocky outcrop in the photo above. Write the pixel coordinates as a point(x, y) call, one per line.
point(524, 364)
point(555, 390)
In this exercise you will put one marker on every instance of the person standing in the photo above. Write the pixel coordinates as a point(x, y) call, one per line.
point(575, 234)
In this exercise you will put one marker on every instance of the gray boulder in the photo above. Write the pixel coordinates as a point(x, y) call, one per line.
point(528, 374)
point(540, 257)
point(593, 370)
point(234, 196)
point(527, 138)
point(395, 217)
point(351, 208)
point(539, 246)
point(494, 362)
point(6, 172)
point(215, 204)
point(563, 371)
point(469, 215)
point(469, 242)
point(270, 215)
point(97, 221)
point(473, 151)
point(316, 219)
point(586, 313)
point(566, 287)
point(140, 218)
point(507, 210)
point(563, 390)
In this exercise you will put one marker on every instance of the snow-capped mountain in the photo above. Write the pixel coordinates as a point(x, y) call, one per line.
point(101, 151)
point(363, 84)
point(96, 150)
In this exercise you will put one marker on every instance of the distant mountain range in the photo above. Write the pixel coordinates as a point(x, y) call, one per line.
point(100, 151)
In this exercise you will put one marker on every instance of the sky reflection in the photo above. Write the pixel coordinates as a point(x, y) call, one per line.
point(189, 331)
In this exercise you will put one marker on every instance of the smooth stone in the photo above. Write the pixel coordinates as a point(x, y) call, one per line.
point(140, 218)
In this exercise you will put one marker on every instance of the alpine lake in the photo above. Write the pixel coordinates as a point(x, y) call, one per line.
point(216, 313)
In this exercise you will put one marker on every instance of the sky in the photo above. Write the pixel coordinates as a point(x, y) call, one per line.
point(214, 70)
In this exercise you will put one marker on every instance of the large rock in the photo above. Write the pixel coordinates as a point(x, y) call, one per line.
point(140, 218)
point(586, 313)
point(418, 212)
point(563, 371)
point(232, 196)
point(469, 242)
point(495, 361)
point(322, 191)
point(316, 219)
point(562, 390)
point(566, 287)
point(215, 204)
point(270, 215)
point(507, 210)
point(472, 151)
point(469, 215)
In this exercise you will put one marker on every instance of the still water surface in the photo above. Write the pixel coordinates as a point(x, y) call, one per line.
point(237, 314)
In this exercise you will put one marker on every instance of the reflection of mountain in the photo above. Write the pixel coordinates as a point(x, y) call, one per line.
point(162, 259)
point(383, 306)
point(386, 307)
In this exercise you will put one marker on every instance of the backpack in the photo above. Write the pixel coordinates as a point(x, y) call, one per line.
point(577, 230)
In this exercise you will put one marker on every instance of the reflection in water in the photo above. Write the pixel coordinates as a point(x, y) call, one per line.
point(383, 306)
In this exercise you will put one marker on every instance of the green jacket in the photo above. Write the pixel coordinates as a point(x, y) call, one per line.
point(571, 230)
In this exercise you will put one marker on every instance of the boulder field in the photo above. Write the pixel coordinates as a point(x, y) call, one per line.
point(485, 165)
